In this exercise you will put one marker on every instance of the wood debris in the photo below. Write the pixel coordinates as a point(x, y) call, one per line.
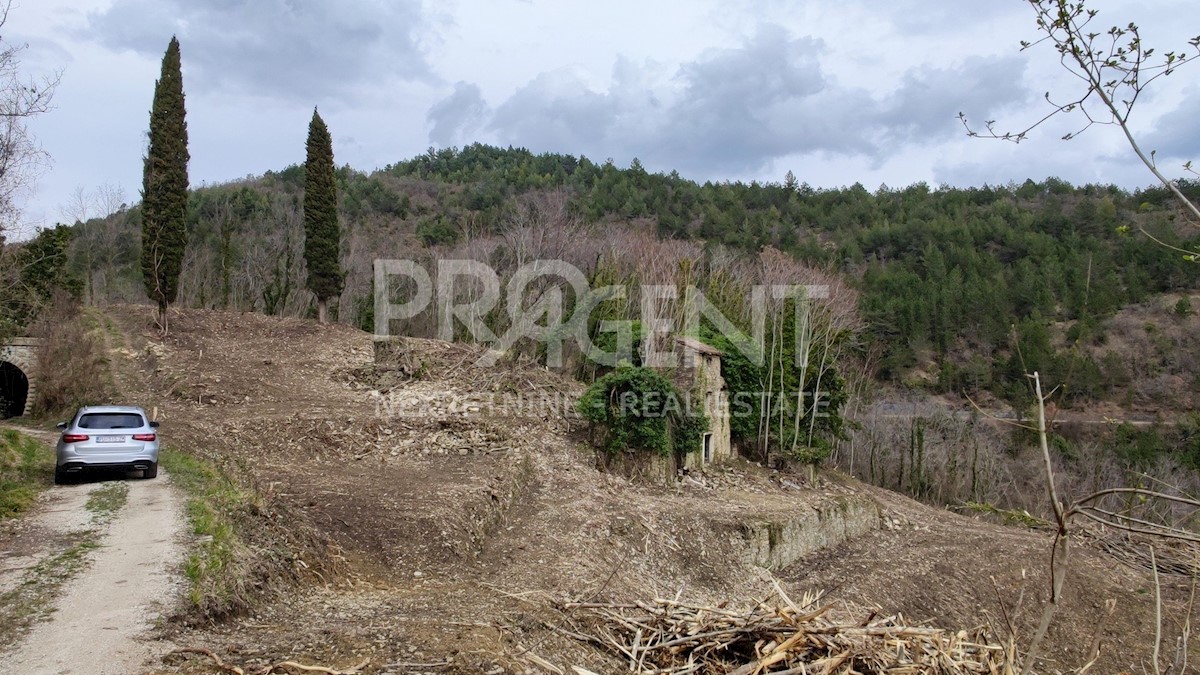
point(280, 667)
point(669, 636)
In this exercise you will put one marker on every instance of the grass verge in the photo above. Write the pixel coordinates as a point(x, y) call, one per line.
point(214, 505)
point(26, 468)
point(247, 547)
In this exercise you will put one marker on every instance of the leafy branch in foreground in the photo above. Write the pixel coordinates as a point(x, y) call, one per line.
point(1114, 66)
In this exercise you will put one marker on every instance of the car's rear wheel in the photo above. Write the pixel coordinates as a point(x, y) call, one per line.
point(60, 476)
point(150, 472)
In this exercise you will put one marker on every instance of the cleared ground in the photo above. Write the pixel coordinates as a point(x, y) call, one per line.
point(456, 533)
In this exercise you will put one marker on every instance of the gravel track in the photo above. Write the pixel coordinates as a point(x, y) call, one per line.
point(102, 615)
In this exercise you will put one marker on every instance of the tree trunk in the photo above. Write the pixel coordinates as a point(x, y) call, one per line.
point(322, 311)
point(162, 317)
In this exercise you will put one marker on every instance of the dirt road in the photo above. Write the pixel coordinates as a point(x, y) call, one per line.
point(130, 573)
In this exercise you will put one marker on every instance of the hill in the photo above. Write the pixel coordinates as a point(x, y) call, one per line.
point(952, 280)
point(944, 293)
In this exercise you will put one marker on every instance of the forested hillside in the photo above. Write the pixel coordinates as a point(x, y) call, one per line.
point(959, 289)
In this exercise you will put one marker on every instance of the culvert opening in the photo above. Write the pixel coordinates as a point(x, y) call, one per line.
point(14, 390)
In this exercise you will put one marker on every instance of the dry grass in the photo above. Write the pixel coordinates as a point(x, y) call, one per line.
point(72, 364)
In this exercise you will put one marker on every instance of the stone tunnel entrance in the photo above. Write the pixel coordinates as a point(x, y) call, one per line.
point(14, 390)
point(18, 378)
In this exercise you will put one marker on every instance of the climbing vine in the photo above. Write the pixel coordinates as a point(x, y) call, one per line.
point(639, 409)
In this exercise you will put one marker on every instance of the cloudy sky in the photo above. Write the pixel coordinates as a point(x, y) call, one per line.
point(837, 92)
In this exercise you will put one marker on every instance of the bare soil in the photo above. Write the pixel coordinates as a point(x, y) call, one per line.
point(459, 530)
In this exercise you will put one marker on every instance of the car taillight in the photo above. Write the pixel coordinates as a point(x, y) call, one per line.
point(144, 437)
point(74, 438)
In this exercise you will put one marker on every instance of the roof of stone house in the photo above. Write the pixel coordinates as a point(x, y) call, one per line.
point(698, 346)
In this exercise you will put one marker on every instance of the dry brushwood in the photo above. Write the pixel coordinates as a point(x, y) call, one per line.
point(281, 666)
point(673, 637)
point(1175, 558)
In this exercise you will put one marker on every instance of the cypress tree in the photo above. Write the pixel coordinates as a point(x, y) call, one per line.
point(321, 232)
point(165, 187)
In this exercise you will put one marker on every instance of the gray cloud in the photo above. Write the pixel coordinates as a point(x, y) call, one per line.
point(458, 116)
point(729, 110)
point(303, 50)
point(922, 16)
point(739, 107)
point(1177, 133)
point(929, 99)
point(735, 110)
point(556, 110)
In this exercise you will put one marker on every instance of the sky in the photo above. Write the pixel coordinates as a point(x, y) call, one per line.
point(837, 92)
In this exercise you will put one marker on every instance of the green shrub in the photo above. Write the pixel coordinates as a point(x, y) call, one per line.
point(436, 231)
point(1139, 447)
point(639, 409)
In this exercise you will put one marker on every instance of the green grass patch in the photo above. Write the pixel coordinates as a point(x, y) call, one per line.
point(33, 600)
point(106, 500)
point(26, 468)
point(213, 504)
point(1017, 517)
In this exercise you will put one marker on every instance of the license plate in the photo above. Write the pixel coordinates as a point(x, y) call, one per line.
point(110, 439)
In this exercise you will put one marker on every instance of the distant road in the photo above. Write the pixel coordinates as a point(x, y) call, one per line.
point(894, 410)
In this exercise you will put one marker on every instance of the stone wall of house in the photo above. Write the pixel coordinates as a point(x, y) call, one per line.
point(643, 466)
point(700, 377)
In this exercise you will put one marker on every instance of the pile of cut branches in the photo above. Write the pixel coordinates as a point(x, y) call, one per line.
point(670, 636)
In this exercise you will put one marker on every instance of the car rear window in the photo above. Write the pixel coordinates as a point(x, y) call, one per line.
point(111, 421)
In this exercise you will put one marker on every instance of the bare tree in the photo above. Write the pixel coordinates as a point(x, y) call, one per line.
point(21, 98)
point(97, 216)
point(21, 159)
point(1093, 508)
point(78, 210)
point(542, 228)
point(1113, 68)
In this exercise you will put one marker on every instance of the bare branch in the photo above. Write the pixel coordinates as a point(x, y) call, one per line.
point(1157, 611)
point(1136, 491)
point(1114, 67)
point(21, 98)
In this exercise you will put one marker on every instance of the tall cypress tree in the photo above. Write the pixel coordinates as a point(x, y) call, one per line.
point(321, 232)
point(165, 187)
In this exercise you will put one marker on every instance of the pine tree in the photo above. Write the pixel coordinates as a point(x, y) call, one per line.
point(321, 232)
point(165, 187)
point(789, 182)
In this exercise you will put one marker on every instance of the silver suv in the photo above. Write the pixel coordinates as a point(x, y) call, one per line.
point(107, 437)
